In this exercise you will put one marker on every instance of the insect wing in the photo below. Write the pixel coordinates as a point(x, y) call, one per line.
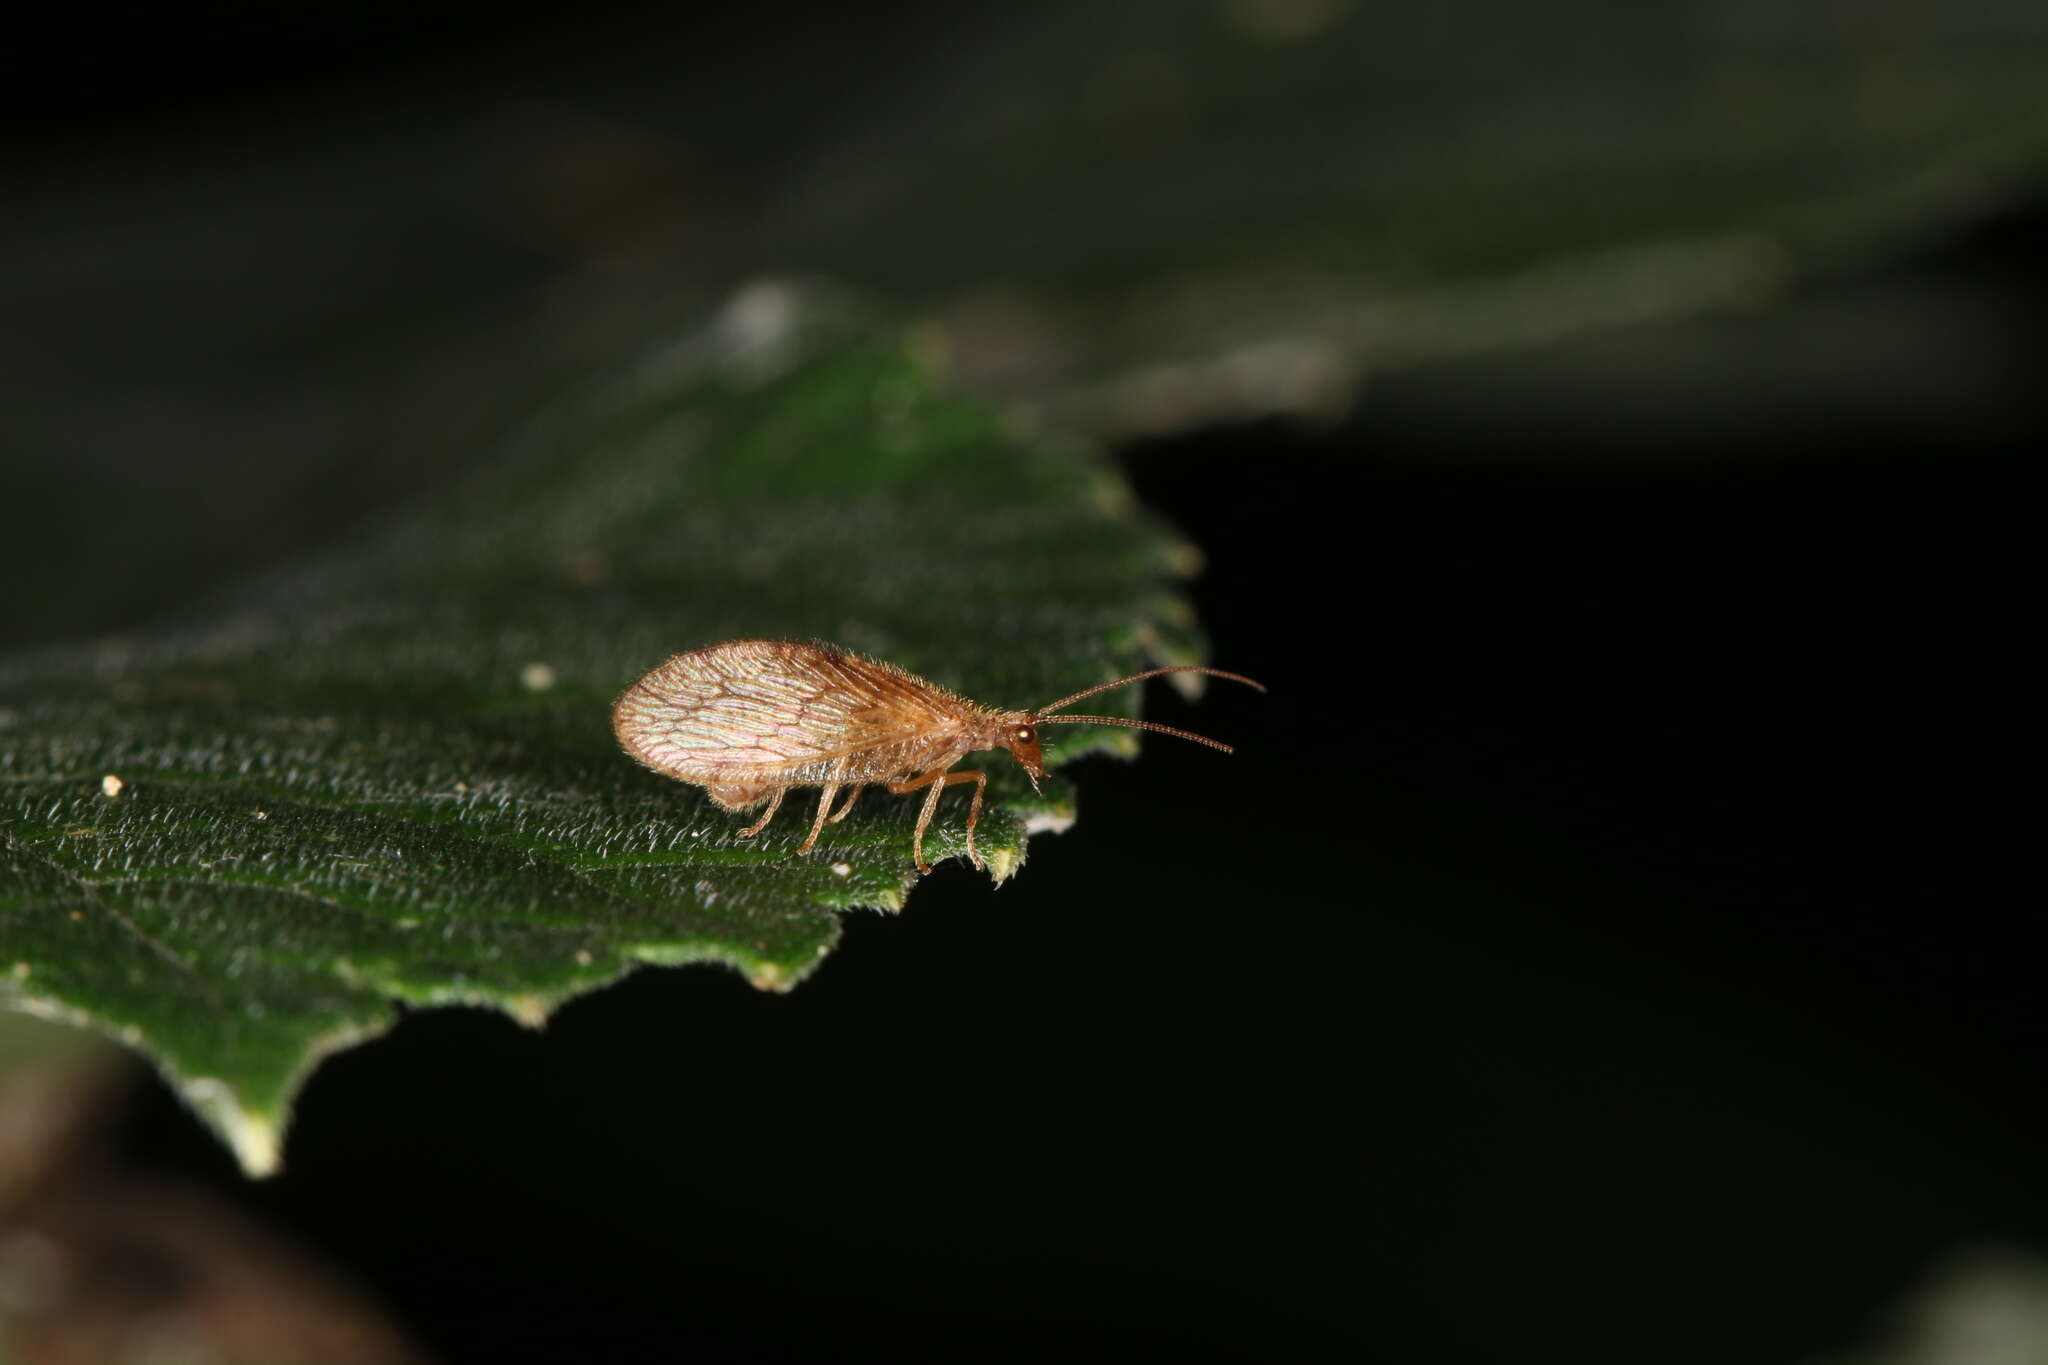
point(763, 708)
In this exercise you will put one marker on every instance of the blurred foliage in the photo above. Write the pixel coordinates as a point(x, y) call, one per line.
point(103, 1265)
point(1140, 217)
point(1984, 1306)
point(390, 774)
point(1184, 211)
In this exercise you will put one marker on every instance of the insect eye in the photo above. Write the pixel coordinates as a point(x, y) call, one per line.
point(1024, 734)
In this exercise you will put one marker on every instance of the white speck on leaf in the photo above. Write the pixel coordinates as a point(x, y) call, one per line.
point(111, 785)
point(537, 676)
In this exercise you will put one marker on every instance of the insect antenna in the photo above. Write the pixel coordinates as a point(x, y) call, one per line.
point(1142, 724)
point(1140, 677)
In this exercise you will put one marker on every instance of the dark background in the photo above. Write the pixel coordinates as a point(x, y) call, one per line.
point(1603, 946)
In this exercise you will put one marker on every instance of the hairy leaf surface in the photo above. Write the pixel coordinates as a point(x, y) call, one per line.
point(389, 775)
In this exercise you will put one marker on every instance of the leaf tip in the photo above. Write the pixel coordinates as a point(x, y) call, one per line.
point(253, 1137)
point(1003, 863)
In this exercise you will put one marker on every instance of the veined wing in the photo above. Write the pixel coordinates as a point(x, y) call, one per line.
point(755, 707)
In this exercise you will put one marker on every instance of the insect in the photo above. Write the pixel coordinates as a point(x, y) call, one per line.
point(750, 719)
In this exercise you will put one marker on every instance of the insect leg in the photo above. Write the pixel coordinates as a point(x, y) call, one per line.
point(939, 780)
point(836, 816)
point(824, 805)
point(974, 814)
point(774, 804)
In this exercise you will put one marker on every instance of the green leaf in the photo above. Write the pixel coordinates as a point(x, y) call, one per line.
point(390, 775)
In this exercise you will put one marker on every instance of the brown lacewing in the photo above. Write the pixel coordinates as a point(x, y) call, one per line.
point(750, 719)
